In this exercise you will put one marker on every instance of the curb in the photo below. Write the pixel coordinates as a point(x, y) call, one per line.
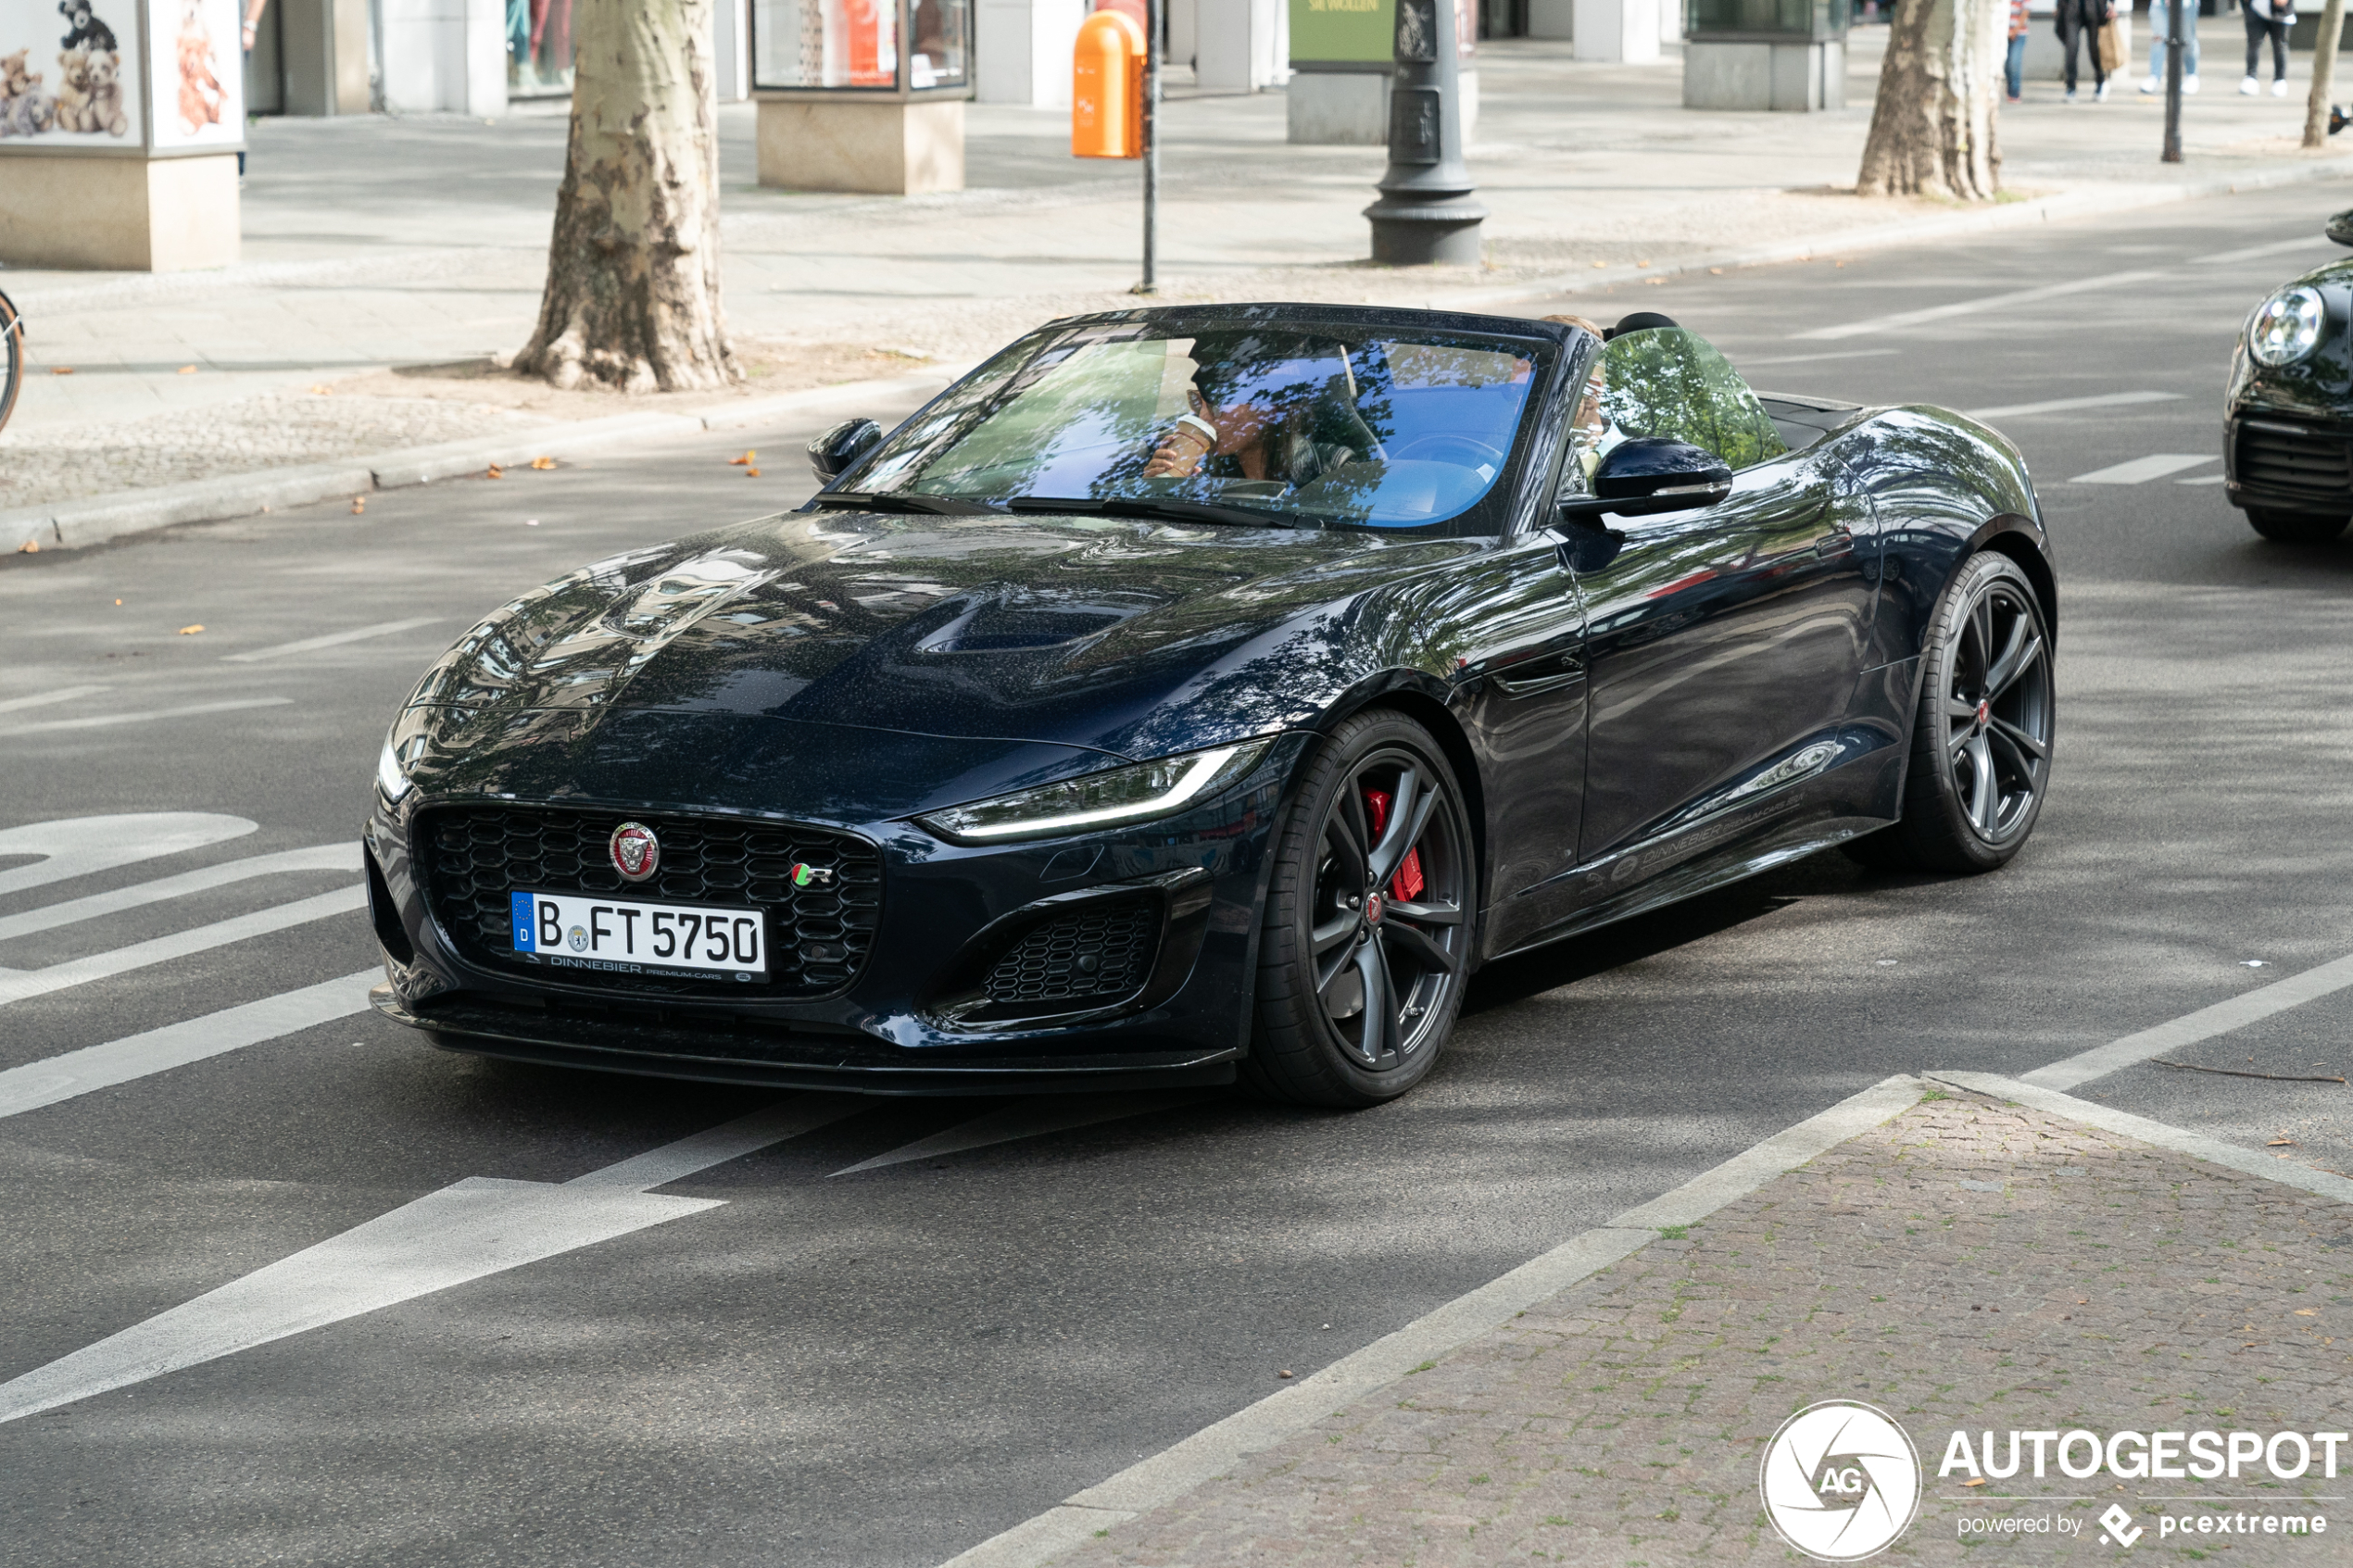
point(72, 525)
point(1217, 1449)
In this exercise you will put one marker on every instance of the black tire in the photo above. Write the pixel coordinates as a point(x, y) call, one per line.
point(1315, 1040)
point(1982, 740)
point(2293, 528)
point(11, 359)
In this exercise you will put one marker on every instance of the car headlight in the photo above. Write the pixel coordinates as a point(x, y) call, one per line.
point(1132, 793)
point(391, 777)
point(2286, 326)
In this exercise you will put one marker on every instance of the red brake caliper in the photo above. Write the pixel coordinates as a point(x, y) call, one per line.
point(1407, 883)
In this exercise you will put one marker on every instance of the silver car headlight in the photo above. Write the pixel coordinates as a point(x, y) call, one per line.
point(391, 776)
point(2286, 326)
point(1110, 799)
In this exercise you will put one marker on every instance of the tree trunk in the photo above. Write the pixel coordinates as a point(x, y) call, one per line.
point(633, 273)
point(1933, 127)
point(2316, 108)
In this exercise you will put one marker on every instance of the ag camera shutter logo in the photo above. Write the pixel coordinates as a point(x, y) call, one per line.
point(1840, 1481)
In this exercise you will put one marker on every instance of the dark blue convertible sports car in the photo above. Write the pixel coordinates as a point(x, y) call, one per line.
point(1195, 693)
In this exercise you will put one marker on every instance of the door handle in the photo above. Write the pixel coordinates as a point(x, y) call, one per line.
point(1837, 543)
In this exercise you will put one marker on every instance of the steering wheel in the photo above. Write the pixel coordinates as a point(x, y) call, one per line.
point(1461, 450)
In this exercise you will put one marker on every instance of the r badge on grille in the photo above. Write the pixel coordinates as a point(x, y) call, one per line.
point(636, 853)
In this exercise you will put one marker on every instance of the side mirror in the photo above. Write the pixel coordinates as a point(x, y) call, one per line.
point(836, 452)
point(1651, 474)
point(2340, 228)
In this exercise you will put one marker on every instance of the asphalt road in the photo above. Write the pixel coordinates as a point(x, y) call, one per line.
point(887, 1366)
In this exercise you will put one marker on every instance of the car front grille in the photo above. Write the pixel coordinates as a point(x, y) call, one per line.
point(472, 857)
point(2285, 460)
point(1095, 955)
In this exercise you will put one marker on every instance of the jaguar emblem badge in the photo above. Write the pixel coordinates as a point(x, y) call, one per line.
point(636, 853)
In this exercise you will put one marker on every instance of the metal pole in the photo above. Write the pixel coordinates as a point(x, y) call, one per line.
point(1428, 211)
point(1154, 11)
point(2174, 45)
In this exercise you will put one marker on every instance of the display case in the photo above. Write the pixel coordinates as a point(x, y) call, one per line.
point(121, 124)
point(1787, 54)
point(861, 95)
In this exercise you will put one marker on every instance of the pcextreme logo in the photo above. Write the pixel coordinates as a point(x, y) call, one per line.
point(1840, 1481)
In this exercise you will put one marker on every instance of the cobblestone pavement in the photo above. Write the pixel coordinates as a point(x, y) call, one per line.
point(1970, 1265)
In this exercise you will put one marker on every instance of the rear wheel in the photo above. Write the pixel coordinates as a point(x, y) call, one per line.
point(1368, 928)
point(11, 357)
point(1981, 742)
point(2293, 528)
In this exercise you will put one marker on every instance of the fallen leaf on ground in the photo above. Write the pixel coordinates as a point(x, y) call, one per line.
point(494, 471)
point(542, 462)
point(2275, 1143)
point(1644, 262)
point(190, 631)
point(358, 505)
point(743, 461)
point(751, 473)
point(322, 392)
point(1654, 280)
point(1285, 1373)
point(186, 371)
point(1979, 1482)
point(32, 547)
point(1601, 263)
point(117, 601)
point(2308, 1311)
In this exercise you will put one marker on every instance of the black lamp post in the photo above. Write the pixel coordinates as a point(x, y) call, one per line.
point(1428, 213)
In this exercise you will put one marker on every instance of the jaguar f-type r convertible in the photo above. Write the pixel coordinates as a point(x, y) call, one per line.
point(1190, 694)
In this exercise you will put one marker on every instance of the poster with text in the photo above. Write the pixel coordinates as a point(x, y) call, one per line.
point(195, 54)
point(69, 74)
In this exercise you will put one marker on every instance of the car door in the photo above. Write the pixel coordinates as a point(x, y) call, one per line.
point(1722, 642)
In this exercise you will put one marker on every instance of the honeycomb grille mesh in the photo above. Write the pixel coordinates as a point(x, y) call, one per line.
point(473, 856)
point(1091, 954)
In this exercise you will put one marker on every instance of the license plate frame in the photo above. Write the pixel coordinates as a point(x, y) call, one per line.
point(613, 934)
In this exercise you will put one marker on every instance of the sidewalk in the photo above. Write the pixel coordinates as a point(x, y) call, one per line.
point(387, 262)
point(1969, 1265)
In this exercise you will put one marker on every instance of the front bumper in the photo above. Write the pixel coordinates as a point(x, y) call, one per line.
point(2290, 460)
point(930, 1010)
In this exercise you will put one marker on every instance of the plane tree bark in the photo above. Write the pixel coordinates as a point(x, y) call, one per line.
point(2316, 106)
point(1932, 125)
point(632, 301)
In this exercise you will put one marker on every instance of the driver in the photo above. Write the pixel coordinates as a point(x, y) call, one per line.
point(1255, 406)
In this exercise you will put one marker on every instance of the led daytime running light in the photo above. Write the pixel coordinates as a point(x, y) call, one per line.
point(1045, 812)
point(391, 777)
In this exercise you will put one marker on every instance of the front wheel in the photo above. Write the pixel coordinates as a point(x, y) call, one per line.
point(1981, 742)
point(1368, 929)
point(2293, 528)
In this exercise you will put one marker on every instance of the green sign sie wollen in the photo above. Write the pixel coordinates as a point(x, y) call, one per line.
point(1341, 30)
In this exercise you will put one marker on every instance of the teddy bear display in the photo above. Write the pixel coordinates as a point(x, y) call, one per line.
point(26, 107)
point(105, 110)
point(201, 95)
point(89, 34)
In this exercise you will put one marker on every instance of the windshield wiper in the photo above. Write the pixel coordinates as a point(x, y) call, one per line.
point(1170, 510)
point(893, 501)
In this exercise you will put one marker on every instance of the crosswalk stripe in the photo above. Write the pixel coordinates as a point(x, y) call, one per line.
point(2277, 247)
point(71, 847)
point(322, 857)
point(16, 985)
point(44, 699)
point(1028, 1119)
point(332, 639)
point(101, 720)
point(2069, 405)
point(2140, 471)
point(478, 1227)
point(55, 1078)
point(1903, 318)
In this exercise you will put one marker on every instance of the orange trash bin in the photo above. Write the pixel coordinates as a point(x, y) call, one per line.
point(1107, 88)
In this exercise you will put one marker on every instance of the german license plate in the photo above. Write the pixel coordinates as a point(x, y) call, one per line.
point(577, 930)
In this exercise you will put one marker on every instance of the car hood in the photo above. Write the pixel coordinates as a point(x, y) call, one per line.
point(1074, 630)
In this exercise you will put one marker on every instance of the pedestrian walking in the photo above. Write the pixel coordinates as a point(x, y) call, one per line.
point(2160, 25)
point(2267, 18)
point(2080, 21)
point(2014, 67)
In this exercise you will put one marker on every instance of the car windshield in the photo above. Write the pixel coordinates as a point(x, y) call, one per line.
point(1310, 426)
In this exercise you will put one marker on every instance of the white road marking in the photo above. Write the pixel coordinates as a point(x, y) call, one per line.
point(1903, 318)
point(55, 1078)
point(16, 985)
point(2235, 1012)
point(332, 639)
point(2277, 247)
point(323, 857)
point(1028, 1119)
point(75, 847)
point(481, 1225)
point(1217, 1449)
point(1747, 364)
point(2204, 479)
point(2069, 405)
point(45, 698)
point(2140, 471)
point(103, 720)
